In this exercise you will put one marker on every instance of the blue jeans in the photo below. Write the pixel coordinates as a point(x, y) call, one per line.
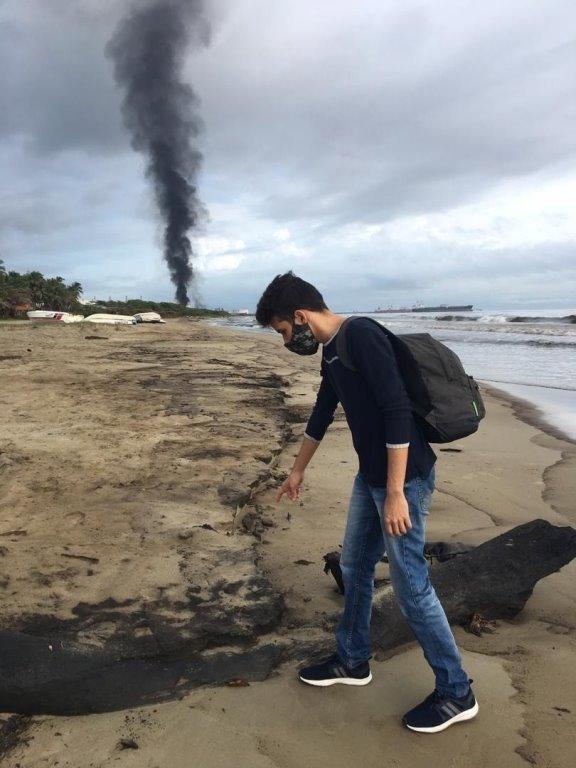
point(365, 541)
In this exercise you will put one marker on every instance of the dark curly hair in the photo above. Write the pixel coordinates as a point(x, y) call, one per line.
point(284, 295)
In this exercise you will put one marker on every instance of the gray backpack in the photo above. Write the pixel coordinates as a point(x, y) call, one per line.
point(446, 401)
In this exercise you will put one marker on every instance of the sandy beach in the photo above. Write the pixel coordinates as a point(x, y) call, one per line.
point(138, 469)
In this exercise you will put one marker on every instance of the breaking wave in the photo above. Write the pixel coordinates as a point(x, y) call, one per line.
point(566, 320)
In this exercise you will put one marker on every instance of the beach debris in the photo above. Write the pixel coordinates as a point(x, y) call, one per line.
point(303, 562)
point(332, 565)
point(445, 550)
point(252, 523)
point(81, 557)
point(96, 337)
point(237, 682)
point(127, 744)
point(451, 450)
point(477, 625)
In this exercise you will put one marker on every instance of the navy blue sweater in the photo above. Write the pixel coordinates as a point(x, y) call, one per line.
point(374, 400)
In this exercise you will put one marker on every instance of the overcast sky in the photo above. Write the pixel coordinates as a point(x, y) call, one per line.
point(388, 151)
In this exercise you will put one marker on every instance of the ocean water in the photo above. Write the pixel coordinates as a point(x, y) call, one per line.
point(529, 354)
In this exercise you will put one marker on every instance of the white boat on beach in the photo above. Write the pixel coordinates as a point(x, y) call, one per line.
point(53, 316)
point(148, 317)
point(111, 319)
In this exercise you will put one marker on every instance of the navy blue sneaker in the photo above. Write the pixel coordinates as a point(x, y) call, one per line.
point(438, 712)
point(332, 670)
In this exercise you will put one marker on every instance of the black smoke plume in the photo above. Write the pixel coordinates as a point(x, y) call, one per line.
point(161, 113)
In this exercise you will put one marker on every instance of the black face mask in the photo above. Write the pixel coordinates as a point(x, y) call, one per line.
point(302, 341)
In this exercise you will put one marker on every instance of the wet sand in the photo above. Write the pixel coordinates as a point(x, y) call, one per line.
point(137, 482)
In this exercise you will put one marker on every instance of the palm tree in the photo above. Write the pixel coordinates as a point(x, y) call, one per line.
point(75, 291)
point(36, 283)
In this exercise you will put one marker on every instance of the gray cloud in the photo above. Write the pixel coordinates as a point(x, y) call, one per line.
point(318, 116)
point(59, 92)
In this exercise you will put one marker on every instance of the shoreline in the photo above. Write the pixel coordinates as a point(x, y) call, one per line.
point(557, 472)
point(489, 486)
point(531, 411)
point(545, 411)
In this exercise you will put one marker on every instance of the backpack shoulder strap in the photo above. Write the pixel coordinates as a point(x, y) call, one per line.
point(342, 346)
point(341, 341)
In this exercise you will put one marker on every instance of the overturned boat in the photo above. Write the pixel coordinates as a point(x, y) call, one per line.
point(148, 317)
point(53, 316)
point(111, 319)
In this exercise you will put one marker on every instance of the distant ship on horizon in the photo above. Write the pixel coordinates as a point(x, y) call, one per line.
point(391, 309)
point(420, 308)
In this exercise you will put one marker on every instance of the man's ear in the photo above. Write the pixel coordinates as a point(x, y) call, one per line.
point(300, 316)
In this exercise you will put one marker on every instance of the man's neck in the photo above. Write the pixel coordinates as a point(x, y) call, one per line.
point(328, 327)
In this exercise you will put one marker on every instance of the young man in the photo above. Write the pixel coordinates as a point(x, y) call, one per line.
point(390, 497)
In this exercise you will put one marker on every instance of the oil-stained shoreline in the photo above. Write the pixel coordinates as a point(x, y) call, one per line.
point(127, 462)
point(136, 476)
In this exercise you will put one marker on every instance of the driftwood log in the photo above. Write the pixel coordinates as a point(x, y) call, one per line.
point(494, 580)
point(52, 675)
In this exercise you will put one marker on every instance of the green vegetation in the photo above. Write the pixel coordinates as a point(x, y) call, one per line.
point(165, 308)
point(22, 292)
point(19, 293)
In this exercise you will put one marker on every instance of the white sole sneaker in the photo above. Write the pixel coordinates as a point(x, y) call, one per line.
point(343, 680)
point(468, 714)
